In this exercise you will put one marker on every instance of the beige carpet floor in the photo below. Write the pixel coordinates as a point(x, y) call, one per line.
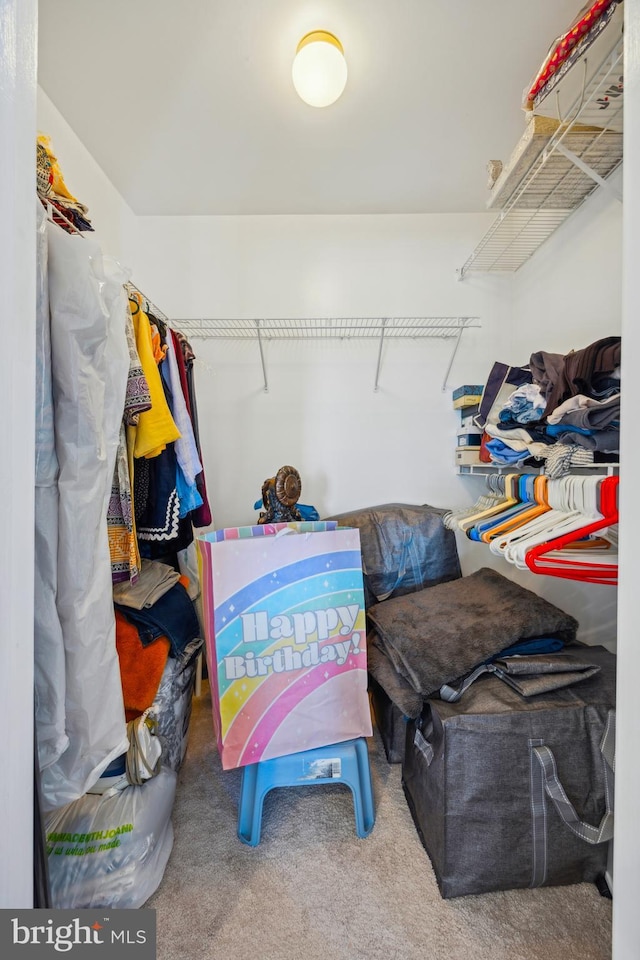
point(312, 890)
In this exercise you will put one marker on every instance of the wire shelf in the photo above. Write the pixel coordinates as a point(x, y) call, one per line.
point(487, 469)
point(359, 328)
point(324, 329)
point(575, 161)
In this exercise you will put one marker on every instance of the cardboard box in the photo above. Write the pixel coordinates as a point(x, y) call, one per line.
point(467, 400)
point(466, 389)
point(467, 456)
point(469, 439)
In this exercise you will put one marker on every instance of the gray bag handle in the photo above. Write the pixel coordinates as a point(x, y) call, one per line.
point(546, 783)
point(427, 729)
point(453, 694)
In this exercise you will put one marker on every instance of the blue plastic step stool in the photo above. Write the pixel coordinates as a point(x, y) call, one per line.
point(346, 762)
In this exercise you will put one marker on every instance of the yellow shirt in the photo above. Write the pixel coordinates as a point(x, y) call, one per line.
point(156, 427)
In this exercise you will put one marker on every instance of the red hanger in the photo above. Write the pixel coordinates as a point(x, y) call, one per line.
point(580, 568)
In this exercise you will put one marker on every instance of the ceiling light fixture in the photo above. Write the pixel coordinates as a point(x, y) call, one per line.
point(319, 69)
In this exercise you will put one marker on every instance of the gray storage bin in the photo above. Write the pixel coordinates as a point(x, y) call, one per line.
point(489, 814)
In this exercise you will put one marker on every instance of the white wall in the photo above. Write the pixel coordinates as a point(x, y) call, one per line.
point(352, 446)
point(569, 294)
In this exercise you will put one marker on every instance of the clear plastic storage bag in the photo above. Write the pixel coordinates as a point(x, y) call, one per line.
point(111, 851)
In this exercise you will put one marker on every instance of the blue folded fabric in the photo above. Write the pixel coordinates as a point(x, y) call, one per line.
point(557, 429)
point(173, 616)
point(530, 645)
point(502, 454)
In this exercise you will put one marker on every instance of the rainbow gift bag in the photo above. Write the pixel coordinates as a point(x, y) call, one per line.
point(284, 618)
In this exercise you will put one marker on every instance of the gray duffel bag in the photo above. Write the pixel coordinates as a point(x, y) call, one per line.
point(509, 791)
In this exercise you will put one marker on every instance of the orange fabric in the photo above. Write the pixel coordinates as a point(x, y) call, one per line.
point(159, 348)
point(141, 668)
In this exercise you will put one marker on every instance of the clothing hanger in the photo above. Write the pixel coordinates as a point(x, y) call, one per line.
point(137, 299)
point(133, 302)
point(515, 506)
point(572, 505)
point(586, 570)
point(55, 215)
point(599, 568)
point(493, 496)
point(578, 498)
point(536, 503)
point(509, 500)
point(564, 510)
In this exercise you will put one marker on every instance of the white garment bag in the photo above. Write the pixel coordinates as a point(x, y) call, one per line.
point(89, 366)
point(49, 662)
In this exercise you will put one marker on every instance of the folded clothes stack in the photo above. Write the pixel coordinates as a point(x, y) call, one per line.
point(154, 581)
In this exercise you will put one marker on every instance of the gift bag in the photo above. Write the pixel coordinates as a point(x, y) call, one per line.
point(284, 620)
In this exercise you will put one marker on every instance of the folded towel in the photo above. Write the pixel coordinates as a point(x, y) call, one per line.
point(154, 581)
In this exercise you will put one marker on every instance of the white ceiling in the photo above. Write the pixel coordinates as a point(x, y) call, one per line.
point(189, 107)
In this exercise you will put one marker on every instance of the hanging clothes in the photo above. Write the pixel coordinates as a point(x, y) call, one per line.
point(156, 427)
point(65, 209)
point(202, 516)
point(110, 399)
point(123, 541)
point(152, 456)
point(189, 465)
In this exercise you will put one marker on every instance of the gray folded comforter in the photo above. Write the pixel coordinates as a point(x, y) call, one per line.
point(436, 635)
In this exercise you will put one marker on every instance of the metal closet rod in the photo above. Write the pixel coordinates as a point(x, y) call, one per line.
point(326, 328)
point(152, 308)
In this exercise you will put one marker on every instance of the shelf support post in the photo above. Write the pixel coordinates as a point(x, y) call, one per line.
point(579, 162)
point(264, 369)
point(375, 387)
point(453, 354)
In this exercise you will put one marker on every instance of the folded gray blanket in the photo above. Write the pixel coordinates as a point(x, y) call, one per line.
point(436, 635)
point(399, 690)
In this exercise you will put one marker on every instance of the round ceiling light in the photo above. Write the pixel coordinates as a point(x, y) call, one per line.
point(319, 69)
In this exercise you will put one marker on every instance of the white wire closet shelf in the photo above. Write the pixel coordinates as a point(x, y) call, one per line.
point(579, 156)
point(485, 469)
point(340, 328)
point(346, 328)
